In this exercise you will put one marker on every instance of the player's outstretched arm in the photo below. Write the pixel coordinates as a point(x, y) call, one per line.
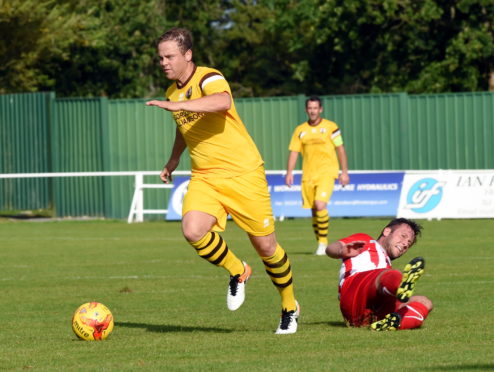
point(217, 102)
point(342, 250)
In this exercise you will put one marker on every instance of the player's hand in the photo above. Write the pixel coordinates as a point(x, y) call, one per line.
point(166, 175)
point(351, 249)
point(166, 105)
point(289, 179)
point(344, 179)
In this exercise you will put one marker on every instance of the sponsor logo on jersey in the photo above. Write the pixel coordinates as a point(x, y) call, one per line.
point(186, 117)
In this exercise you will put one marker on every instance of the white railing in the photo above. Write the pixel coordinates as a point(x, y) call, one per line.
point(137, 210)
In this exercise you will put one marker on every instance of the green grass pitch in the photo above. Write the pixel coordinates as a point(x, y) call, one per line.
point(170, 307)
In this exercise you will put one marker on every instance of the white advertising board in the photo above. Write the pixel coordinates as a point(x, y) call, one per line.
point(447, 194)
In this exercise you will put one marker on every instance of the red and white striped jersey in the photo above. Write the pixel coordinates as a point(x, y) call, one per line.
point(372, 256)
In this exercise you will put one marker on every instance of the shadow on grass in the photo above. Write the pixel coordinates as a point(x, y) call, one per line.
point(302, 253)
point(329, 324)
point(168, 328)
point(462, 367)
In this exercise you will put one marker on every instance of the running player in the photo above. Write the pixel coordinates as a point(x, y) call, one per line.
point(371, 293)
point(228, 176)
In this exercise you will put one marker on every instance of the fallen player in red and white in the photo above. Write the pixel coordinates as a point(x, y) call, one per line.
point(371, 292)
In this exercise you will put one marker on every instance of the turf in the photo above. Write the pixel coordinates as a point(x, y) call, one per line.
point(170, 309)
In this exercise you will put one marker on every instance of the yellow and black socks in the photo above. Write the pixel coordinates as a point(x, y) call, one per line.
point(279, 270)
point(320, 223)
point(213, 248)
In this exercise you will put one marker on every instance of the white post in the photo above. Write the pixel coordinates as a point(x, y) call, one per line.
point(139, 181)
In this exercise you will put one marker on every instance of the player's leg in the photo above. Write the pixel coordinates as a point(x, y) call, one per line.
point(358, 295)
point(322, 194)
point(321, 217)
point(401, 285)
point(197, 227)
point(415, 309)
point(278, 268)
point(249, 204)
point(407, 316)
point(414, 312)
point(411, 274)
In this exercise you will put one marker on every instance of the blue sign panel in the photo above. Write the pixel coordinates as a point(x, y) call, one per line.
point(180, 184)
point(367, 195)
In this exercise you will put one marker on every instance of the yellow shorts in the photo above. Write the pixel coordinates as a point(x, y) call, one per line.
point(245, 198)
point(322, 189)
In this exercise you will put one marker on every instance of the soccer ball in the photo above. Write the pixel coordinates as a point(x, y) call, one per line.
point(92, 321)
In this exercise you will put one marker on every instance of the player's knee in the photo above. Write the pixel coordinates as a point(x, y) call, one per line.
point(196, 224)
point(423, 300)
point(192, 232)
point(389, 279)
point(264, 245)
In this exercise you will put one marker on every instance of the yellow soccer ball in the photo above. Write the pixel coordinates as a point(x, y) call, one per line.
point(92, 321)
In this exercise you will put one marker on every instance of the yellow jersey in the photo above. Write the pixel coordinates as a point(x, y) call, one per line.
point(317, 144)
point(218, 142)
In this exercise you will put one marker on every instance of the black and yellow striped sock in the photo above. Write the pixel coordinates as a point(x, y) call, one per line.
point(213, 248)
point(279, 270)
point(322, 218)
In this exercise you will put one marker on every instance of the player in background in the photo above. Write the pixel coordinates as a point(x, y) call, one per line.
point(370, 291)
point(321, 144)
point(228, 176)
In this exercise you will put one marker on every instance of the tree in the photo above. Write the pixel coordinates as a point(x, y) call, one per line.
point(33, 32)
point(264, 47)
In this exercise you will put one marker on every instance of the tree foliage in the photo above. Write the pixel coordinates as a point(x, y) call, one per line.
point(264, 47)
point(32, 33)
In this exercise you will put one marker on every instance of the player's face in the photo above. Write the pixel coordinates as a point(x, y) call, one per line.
point(313, 111)
point(173, 63)
point(398, 241)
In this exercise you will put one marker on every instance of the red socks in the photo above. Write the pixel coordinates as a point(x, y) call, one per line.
point(390, 281)
point(412, 315)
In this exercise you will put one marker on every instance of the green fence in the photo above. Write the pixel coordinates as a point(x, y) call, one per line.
point(25, 147)
point(42, 133)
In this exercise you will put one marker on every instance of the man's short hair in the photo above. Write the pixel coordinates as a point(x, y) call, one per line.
point(416, 228)
point(182, 36)
point(313, 99)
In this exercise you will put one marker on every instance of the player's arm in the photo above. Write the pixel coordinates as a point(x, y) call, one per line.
point(216, 102)
point(344, 178)
point(172, 164)
point(343, 250)
point(292, 161)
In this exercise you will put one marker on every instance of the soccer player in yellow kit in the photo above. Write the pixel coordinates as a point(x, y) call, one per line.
point(321, 144)
point(228, 175)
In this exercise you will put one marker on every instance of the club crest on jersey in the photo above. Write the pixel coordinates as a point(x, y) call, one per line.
point(189, 93)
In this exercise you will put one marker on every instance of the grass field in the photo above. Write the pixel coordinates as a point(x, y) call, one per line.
point(170, 309)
